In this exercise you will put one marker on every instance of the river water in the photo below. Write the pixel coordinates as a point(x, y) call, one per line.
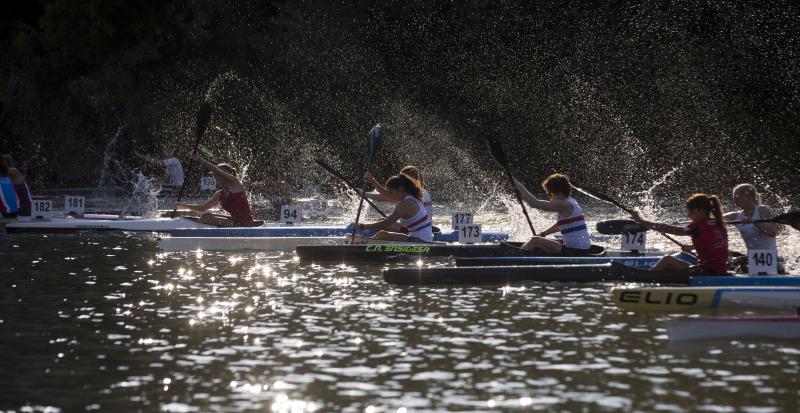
point(106, 322)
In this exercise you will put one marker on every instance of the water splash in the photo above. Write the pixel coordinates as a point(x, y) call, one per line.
point(107, 157)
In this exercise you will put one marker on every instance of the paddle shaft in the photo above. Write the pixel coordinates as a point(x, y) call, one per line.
point(201, 128)
point(333, 172)
point(499, 155)
point(374, 142)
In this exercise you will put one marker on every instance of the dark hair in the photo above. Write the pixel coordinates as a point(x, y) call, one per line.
point(409, 184)
point(557, 184)
point(708, 203)
point(412, 172)
point(227, 168)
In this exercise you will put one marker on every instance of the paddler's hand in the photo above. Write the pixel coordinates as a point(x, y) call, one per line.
point(357, 226)
point(636, 217)
point(369, 178)
point(687, 248)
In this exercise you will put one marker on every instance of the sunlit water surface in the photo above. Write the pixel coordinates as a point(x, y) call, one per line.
point(108, 323)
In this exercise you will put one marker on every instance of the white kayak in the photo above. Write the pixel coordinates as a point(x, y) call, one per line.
point(289, 243)
point(725, 328)
point(173, 244)
point(79, 224)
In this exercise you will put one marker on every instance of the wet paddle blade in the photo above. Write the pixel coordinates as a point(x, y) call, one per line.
point(791, 219)
point(203, 118)
point(619, 227)
point(497, 152)
point(374, 142)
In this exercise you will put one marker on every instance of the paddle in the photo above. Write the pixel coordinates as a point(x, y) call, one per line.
point(791, 218)
point(499, 155)
point(373, 143)
point(347, 183)
point(203, 117)
point(619, 227)
point(605, 198)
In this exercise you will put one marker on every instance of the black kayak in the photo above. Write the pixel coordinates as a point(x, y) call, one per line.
point(413, 252)
point(543, 273)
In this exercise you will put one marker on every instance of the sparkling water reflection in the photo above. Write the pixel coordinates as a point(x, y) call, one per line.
point(107, 322)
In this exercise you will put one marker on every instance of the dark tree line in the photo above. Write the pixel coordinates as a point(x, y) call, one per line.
point(616, 94)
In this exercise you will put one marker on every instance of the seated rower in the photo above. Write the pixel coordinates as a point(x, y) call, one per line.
point(571, 223)
point(410, 212)
point(709, 237)
point(15, 197)
point(232, 198)
point(172, 165)
point(383, 193)
point(756, 236)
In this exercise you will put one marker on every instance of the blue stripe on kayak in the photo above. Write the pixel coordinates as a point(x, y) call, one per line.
point(755, 280)
point(319, 231)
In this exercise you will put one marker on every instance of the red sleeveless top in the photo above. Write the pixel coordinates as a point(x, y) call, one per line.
point(237, 205)
point(711, 243)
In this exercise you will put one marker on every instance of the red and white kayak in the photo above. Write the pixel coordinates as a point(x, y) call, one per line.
point(725, 328)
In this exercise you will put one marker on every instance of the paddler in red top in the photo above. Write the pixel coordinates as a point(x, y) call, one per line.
point(709, 236)
point(232, 198)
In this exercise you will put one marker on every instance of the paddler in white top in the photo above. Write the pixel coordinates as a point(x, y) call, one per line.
point(410, 212)
point(383, 193)
point(571, 223)
point(756, 236)
point(171, 163)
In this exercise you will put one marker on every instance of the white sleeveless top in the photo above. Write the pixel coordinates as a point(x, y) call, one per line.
point(419, 225)
point(574, 233)
point(428, 202)
point(753, 237)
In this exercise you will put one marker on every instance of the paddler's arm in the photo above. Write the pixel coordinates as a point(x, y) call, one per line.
point(383, 193)
point(548, 231)
point(146, 158)
point(212, 202)
point(386, 224)
point(657, 226)
point(231, 180)
point(540, 204)
point(768, 228)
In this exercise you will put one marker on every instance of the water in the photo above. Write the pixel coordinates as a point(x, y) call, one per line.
point(108, 323)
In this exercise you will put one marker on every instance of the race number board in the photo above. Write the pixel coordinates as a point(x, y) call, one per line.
point(208, 183)
point(76, 204)
point(634, 242)
point(762, 262)
point(470, 234)
point(291, 214)
point(42, 209)
point(462, 218)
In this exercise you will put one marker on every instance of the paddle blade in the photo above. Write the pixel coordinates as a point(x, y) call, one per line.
point(374, 141)
point(619, 227)
point(203, 117)
point(791, 219)
point(497, 152)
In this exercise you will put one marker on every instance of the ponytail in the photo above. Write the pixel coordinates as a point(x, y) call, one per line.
point(708, 203)
point(409, 184)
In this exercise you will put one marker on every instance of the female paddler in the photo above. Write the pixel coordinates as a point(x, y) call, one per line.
point(571, 223)
point(383, 194)
point(410, 212)
point(759, 237)
point(232, 198)
point(709, 236)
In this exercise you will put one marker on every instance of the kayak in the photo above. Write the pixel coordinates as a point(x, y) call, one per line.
point(721, 328)
point(173, 244)
point(703, 298)
point(641, 261)
point(309, 231)
point(745, 280)
point(579, 273)
point(81, 224)
point(410, 251)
